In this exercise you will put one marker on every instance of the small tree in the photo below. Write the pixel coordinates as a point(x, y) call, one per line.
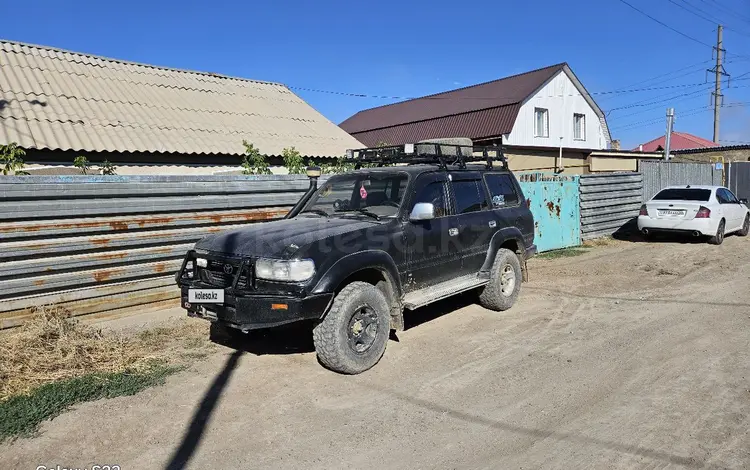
point(339, 165)
point(11, 159)
point(253, 163)
point(107, 168)
point(83, 164)
point(293, 161)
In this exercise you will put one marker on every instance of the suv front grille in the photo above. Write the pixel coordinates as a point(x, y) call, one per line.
point(221, 274)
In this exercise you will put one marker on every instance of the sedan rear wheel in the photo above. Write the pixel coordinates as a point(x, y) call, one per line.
point(718, 239)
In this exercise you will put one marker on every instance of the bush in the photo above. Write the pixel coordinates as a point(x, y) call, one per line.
point(253, 163)
point(11, 159)
point(293, 161)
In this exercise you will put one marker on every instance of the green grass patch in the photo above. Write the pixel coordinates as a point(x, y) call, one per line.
point(564, 253)
point(20, 415)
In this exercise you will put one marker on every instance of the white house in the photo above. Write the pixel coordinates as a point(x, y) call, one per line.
point(548, 107)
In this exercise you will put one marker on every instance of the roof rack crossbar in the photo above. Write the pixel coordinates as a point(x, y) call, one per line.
point(412, 154)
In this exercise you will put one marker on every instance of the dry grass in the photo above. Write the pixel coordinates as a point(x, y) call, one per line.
point(602, 241)
point(53, 346)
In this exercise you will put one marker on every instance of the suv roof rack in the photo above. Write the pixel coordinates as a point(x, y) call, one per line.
point(432, 151)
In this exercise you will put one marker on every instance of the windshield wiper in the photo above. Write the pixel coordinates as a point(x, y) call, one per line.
point(363, 211)
point(317, 211)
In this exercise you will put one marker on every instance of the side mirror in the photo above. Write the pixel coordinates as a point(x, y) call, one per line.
point(422, 211)
point(743, 201)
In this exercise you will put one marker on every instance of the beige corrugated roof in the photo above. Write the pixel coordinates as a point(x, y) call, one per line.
point(55, 99)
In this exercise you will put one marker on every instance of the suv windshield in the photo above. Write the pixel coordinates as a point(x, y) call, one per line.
point(379, 194)
point(677, 194)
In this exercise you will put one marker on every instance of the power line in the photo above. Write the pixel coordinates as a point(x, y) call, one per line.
point(702, 14)
point(729, 10)
point(638, 124)
point(671, 100)
point(687, 36)
point(595, 93)
point(689, 112)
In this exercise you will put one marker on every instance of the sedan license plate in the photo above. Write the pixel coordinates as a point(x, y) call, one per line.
point(671, 213)
point(206, 296)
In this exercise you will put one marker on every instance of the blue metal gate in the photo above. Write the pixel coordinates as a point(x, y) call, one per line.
point(554, 201)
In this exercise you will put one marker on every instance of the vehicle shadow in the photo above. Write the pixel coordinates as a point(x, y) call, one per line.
point(637, 237)
point(297, 338)
point(420, 316)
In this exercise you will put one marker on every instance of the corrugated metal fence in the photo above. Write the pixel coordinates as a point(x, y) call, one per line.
point(609, 203)
point(739, 179)
point(657, 175)
point(101, 243)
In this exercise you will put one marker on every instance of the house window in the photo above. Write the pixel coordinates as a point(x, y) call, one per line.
point(579, 127)
point(541, 122)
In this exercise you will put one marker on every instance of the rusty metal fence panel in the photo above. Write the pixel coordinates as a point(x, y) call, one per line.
point(99, 244)
point(553, 199)
point(609, 203)
point(658, 175)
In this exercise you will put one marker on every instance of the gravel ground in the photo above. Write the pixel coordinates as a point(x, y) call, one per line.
point(633, 355)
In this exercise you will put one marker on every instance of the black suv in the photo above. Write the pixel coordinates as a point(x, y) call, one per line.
point(422, 223)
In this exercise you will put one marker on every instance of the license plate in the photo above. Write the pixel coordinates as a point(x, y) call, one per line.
point(206, 296)
point(671, 212)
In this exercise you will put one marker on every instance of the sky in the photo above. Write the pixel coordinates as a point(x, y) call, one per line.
point(326, 49)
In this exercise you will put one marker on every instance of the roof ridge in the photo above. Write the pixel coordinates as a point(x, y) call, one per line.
point(140, 64)
point(560, 65)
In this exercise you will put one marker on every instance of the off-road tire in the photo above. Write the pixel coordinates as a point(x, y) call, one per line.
point(225, 335)
point(745, 227)
point(331, 335)
point(492, 296)
point(718, 239)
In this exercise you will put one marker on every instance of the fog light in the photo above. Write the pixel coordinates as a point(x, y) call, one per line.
point(202, 262)
point(187, 305)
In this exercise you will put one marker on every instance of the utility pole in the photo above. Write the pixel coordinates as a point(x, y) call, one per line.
point(718, 71)
point(668, 135)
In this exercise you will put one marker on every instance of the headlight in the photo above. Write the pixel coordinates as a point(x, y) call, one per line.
point(294, 270)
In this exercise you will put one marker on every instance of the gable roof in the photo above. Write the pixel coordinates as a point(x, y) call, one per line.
point(478, 111)
point(680, 141)
point(56, 99)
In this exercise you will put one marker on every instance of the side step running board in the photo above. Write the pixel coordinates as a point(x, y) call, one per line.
point(427, 295)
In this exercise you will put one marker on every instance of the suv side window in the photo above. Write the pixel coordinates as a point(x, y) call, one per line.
point(502, 190)
point(434, 193)
point(470, 196)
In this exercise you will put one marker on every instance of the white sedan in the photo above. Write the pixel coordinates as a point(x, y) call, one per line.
point(711, 211)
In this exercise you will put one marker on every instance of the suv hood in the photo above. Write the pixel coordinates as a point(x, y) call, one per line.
point(280, 238)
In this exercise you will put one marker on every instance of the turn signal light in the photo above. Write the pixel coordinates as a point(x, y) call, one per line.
point(644, 211)
point(703, 213)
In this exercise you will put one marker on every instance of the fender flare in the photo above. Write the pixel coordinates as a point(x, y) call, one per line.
point(352, 263)
point(500, 237)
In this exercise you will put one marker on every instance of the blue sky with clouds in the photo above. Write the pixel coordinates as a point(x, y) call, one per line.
point(414, 48)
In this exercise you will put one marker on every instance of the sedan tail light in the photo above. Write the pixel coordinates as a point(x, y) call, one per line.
point(644, 210)
point(703, 213)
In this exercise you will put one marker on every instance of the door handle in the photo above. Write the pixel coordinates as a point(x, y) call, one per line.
point(493, 224)
point(453, 232)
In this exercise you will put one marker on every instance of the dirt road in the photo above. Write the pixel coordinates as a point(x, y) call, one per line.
point(631, 356)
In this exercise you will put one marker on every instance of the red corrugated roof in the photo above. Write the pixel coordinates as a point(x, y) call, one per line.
point(680, 141)
point(479, 111)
